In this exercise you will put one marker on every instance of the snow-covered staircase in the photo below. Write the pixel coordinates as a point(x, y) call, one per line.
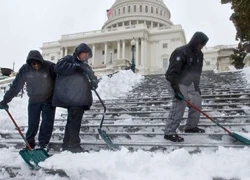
point(137, 122)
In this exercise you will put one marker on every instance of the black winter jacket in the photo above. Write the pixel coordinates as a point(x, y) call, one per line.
point(186, 63)
point(72, 87)
point(39, 83)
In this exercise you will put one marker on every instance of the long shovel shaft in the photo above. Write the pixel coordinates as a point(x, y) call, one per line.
point(104, 107)
point(19, 130)
point(198, 109)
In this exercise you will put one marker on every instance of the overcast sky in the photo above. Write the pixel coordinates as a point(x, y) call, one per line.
point(27, 24)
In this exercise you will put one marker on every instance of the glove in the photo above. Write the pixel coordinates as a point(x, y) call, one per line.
point(94, 84)
point(197, 89)
point(4, 105)
point(81, 68)
point(178, 95)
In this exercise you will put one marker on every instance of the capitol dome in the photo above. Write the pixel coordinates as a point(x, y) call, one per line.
point(153, 13)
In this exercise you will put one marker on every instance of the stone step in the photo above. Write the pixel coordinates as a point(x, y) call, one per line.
point(236, 118)
point(152, 144)
point(158, 98)
point(229, 111)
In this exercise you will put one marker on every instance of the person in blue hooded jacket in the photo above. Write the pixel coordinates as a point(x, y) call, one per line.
point(73, 91)
point(183, 80)
point(39, 77)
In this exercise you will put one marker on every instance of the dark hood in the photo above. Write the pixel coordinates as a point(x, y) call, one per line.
point(198, 38)
point(34, 55)
point(83, 48)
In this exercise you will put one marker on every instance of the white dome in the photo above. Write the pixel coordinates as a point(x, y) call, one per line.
point(129, 12)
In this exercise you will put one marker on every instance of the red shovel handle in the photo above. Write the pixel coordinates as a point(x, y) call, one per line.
point(198, 109)
point(19, 130)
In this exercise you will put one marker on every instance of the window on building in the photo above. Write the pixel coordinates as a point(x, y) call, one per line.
point(133, 22)
point(161, 12)
point(115, 51)
point(165, 63)
point(152, 10)
point(123, 10)
point(140, 8)
point(134, 8)
point(165, 45)
point(119, 11)
point(141, 22)
point(156, 10)
point(146, 9)
point(103, 52)
point(129, 9)
point(52, 58)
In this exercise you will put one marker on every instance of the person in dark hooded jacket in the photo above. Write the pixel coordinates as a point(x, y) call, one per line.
point(183, 79)
point(73, 91)
point(39, 76)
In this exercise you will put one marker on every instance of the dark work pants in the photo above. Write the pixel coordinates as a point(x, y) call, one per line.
point(72, 129)
point(46, 127)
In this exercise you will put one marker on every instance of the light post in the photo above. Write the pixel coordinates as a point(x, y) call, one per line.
point(13, 66)
point(133, 55)
point(110, 62)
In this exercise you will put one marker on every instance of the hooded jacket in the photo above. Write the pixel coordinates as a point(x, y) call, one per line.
point(39, 83)
point(186, 63)
point(72, 87)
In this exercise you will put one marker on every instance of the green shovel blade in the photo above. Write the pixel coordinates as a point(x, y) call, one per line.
point(240, 138)
point(107, 140)
point(34, 157)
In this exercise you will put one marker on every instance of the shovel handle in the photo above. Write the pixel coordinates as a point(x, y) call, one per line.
point(19, 130)
point(198, 109)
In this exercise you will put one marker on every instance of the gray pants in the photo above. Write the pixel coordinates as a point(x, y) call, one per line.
point(178, 107)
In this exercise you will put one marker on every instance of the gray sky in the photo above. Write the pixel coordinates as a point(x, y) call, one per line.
point(26, 24)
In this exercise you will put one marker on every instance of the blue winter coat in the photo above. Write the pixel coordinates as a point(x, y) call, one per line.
point(39, 83)
point(72, 87)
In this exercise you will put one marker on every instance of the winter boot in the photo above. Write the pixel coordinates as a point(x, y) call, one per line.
point(195, 130)
point(44, 146)
point(174, 138)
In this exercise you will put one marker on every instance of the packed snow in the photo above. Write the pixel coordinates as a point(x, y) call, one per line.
point(179, 164)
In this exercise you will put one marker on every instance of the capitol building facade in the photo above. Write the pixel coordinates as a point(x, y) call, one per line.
point(139, 32)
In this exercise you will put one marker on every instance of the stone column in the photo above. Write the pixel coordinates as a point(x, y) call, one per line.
point(142, 51)
point(61, 55)
point(93, 52)
point(137, 50)
point(105, 53)
point(118, 50)
point(66, 51)
point(145, 60)
point(123, 49)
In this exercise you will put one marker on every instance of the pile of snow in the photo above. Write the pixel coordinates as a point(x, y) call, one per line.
point(122, 165)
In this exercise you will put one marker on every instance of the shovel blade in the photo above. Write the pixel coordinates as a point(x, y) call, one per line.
point(107, 140)
point(240, 138)
point(34, 157)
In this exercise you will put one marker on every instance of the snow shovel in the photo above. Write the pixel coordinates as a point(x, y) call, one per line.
point(31, 156)
point(234, 135)
point(101, 132)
